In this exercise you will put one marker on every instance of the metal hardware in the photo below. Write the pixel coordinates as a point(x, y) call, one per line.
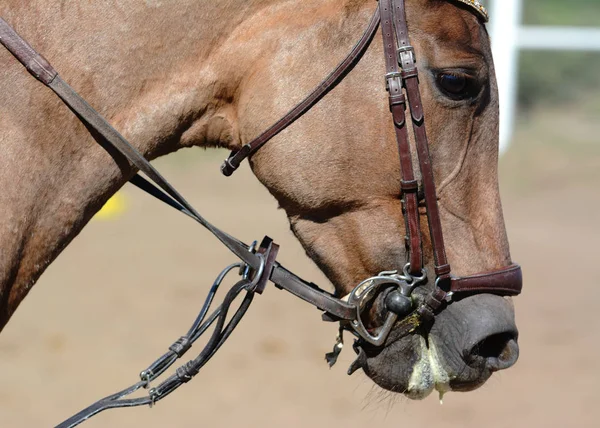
point(398, 303)
point(246, 270)
point(332, 357)
point(449, 294)
point(390, 76)
point(258, 275)
point(414, 280)
point(364, 292)
point(406, 49)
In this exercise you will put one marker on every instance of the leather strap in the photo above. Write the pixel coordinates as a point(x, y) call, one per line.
point(408, 185)
point(231, 164)
point(312, 294)
point(272, 270)
point(507, 281)
point(407, 60)
point(33, 61)
point(43, 71)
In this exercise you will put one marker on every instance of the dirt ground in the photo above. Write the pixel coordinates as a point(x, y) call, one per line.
point(126, 288)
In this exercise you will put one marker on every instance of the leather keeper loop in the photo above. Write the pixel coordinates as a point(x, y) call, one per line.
point(436, 299)
point(407, 74)
point(439, 295)
point(180, 347)
point(396, 100)
point(232, 163)
point(186, 372)
point(35, 63)
point(442, 271)
point(409, 186)
point(425, 314)
point(227, 169)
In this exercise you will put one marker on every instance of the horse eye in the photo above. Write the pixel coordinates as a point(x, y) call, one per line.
point(455, 85)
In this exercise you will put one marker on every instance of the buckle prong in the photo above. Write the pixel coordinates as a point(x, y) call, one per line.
point(406, 49)
point(390, 76)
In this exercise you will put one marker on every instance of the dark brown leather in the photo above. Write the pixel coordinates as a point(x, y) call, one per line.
point(269, 251)
point(283, 278)
point(507, 281)
point(33, 62)
point(410, 77)
point(408, 185)
point(337, 75)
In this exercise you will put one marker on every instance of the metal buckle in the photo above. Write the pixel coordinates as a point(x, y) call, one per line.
point(365, 291)
point(406, 49)
point(390, 76)
point(250, 274)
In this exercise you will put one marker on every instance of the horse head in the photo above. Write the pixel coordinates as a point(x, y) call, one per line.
point(335, 172)
point(337, 176)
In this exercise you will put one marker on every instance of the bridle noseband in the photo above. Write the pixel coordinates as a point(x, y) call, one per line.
point(259, 265)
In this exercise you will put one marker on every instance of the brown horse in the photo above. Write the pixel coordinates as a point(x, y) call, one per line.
point(214, 74)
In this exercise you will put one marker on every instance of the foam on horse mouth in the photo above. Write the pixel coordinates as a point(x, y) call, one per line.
point(428, 374)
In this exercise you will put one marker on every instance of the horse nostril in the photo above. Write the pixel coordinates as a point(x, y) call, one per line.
point(498, 351)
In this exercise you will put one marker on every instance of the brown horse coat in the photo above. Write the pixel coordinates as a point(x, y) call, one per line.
point(203, 73)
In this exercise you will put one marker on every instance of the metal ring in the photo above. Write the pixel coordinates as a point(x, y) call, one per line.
point(259, 271)
point(245, 268)
point(414, 280)
point(360, 295)
point(449, 294)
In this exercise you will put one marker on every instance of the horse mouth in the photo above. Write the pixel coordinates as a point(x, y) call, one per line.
point(424, 374)
point(428, 374)
point(468, 342)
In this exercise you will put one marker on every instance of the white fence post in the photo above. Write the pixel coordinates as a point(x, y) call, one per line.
point(504, 31)
point(509, 37)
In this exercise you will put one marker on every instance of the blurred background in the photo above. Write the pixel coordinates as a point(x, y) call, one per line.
point(132, 282)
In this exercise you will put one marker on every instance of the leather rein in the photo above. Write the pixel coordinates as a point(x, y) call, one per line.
point(258, 264)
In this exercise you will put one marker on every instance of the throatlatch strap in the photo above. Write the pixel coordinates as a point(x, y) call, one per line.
point(236, 157)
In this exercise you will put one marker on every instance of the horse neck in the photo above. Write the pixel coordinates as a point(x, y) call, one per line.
point(165, 75)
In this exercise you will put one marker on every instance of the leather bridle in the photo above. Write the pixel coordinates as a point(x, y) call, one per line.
point(402, 85)
point(259, 265)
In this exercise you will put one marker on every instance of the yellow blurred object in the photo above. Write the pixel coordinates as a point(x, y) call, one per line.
point(113, 208)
